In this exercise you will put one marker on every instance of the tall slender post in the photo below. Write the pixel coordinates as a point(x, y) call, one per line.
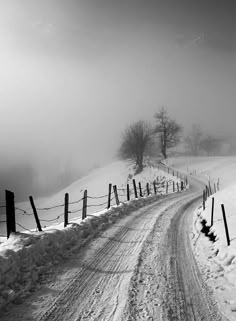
point(182, 185)
point(135, 189)
point(10, 212)
point(128, 194)
point(140, 190)
point(154, 186)
point(226, 225)
point(116, 195)
point(212, 210)
point(173, 186)
point(177, 186)
point(167, 187)
point(35, 214)
point(109, 196)
point(148, 190)
point(85, 199)
point(218, 184)
point(66, 208)
point(203, 200)
point(214, 187)
point(210, 191)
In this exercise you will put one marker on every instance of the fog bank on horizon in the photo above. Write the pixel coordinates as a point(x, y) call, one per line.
point(74, 74)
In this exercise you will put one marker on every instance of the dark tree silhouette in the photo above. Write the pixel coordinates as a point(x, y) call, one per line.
point(136, 141)
point(211, 145)
point(167, 129)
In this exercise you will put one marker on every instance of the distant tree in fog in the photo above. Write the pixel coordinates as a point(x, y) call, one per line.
point(193, 140)
point(136, 141)
point(211, 145)
point(167, 129)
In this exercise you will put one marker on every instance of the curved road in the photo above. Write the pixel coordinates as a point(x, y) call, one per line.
point(141, 268)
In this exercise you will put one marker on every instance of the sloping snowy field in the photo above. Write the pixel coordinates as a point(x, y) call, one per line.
point(24, 256)
point(217, 260)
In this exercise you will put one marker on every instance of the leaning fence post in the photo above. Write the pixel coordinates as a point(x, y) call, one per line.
point(109, 196)
point(140, 189)
point(203, 199)
point(177, 186)
point(10, 212)
point(148, 191)
point(116, 195)
point(212, 210)
point(218, 184)
point(210, 191)
point(154, 186)
point(35, 213)
point(167, 187)
point(66, 208)
point(135, 189)
point(226, 226)
point(85, 200)
point(128, 195)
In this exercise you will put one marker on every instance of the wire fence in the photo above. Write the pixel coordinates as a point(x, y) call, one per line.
point(90, 204)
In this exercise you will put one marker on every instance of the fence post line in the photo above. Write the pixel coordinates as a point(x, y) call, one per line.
point(154, 186)
point(140, 189)
point(35, 213)
point(116, 195)
point(173, 186)
point(128, 195)
point(212, 210)
point(167, 187)
point(85, 200)
point(148, 191)
point(10, 212)
point(207, 192)
point(218, 184)
point(182, 185)
point(226, 225)
point(203, 200)
point(135, 189)
point(177, 186)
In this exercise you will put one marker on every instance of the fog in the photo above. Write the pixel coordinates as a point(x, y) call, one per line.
point(74, 74)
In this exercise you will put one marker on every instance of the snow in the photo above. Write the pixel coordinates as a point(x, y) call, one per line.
point(27, 254)
point(217, 260)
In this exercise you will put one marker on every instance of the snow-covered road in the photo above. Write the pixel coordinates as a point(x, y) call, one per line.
point(141, 268)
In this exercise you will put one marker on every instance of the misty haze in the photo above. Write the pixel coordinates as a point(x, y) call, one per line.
point(127, 88)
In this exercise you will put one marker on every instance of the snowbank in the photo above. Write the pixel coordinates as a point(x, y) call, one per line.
point(25, 256)
point(218, 256)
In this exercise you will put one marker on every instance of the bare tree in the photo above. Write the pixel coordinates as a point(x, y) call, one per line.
point(211, 145)
point(193, 140)
point(168, 131)
point(136, 141)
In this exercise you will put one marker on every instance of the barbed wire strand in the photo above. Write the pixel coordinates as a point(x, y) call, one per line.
point(97, 197)
point(51, 220)
point(24, 227)
point(23, 211)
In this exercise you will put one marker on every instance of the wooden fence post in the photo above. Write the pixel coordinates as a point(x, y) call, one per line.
point(154, 186)
point(212, 210)
point(35, 213)
point(177, 186)
point(128, 195)
point(226, 225)
point(203, 200)
point(135, 189)
point(109, 196)
point(173, 186)
point(210, 191)
point(207, 191)
point(218, 184)
point(140, 190)
point(10, 212)
point(116, 195)
point(182, 185)
point(167, 187)
point(148, 190)
point(85, 200)
point(66, 209)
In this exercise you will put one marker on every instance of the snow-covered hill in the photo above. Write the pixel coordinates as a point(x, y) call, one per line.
point(25, 255)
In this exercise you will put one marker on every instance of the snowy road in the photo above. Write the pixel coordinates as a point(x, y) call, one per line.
point(142, 268)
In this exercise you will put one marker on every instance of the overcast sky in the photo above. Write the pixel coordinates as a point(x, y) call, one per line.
point(73, 74)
